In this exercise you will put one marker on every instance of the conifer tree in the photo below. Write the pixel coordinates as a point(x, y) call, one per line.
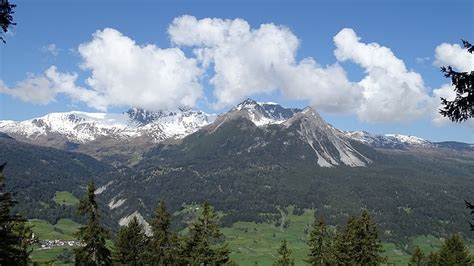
point(130, 244)
point(201, 247)
point(6, 19)
point(359, 243)
point(15, 234)
point(92, 235)
point(418, 258)
point(340, 246)
point(284, 256)
point(432, 259)
point(318, 244)
point(454, 252)
point(163, 247)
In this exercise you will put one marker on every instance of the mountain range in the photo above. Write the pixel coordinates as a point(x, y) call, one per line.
point(70, 130)
point(252, 160)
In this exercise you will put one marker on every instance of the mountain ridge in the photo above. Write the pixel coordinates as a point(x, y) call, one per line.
point(70, 129)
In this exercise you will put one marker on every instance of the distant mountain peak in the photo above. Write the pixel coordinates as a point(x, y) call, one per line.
point(392, 141)
point(83, 127)
point(247, 103)
point(142, 116)
point(264, 113)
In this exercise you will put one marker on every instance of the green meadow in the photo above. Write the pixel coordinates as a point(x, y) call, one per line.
point(65, 198)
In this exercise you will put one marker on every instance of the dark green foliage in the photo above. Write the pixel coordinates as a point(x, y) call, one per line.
point(471, 208)
point(462, 107)
point(36, 173)
point(130, 244)
point(432, 259)
point(217, 167)
point(418, 258)
point(66, 256)
point(358, 243)
point(15, 234)
point(284, 256)
point(454, 252)
point(163, 247)
point(318, 244)
point(202, 244)
point(92, 235)
point(6, 19)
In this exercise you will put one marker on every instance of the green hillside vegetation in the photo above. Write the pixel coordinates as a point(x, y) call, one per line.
point(65, 198)
point(64, 229)
point(248, 242)
point(50, 255)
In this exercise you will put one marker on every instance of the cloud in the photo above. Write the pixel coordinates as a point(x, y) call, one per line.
point(122, 74)
point(242, 61)
point(422, 60)
point(249, 61)
point(51, 48)
point(455, 56)
point(40, 89)
point(391, 93)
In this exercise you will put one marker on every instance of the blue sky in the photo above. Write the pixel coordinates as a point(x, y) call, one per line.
point(49, 33)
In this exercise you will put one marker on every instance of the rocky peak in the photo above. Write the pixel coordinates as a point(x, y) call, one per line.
point(142, 116)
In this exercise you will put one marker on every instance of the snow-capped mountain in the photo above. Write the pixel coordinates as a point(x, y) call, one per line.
point(56, 129)
point(264, 113)
point(84, 127)
point(396, 141)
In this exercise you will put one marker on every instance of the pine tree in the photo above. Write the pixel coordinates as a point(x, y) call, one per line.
point(201, 246)
point(6, 19)
point(454, 252)
point(432, 259)
point(418, 258)
point(359, 243)
point(163, 247)
point(341, 245)
point(15, 234)
point(130, 244)
point(284, 256)
point(318, 244)
point(462, 107)
point(92, 236)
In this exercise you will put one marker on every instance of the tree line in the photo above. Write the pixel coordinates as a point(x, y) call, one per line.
point(355, 243)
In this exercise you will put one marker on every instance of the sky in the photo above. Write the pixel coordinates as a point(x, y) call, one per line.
point(364, 65)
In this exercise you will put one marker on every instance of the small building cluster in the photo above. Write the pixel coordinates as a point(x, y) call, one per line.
point(47, 244)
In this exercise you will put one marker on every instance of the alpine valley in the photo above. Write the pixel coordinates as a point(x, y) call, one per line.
point(250, 163)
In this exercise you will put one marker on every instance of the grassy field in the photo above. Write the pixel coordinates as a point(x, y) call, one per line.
point(251, 242)
point(65, 198)
point(47, 255)
point(64, 229)
point(248, 242)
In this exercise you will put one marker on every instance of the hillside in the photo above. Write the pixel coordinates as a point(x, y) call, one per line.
point(249, 163)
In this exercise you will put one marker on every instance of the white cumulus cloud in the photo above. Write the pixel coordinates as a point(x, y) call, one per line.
point(248, 61)
point(123, 73)
point(455, 56)
point(42, 89)
point(391, 93)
